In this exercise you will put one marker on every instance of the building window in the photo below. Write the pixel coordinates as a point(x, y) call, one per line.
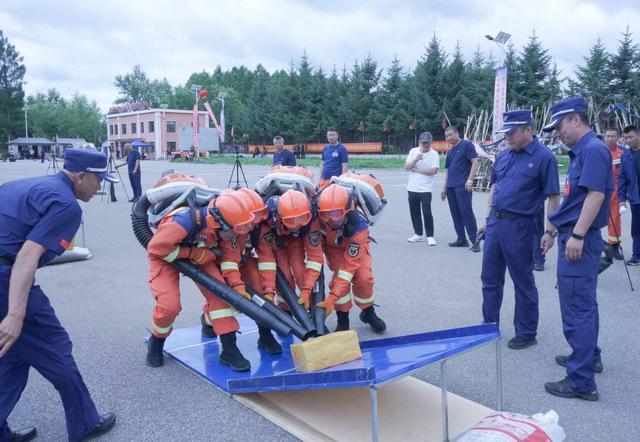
point(115, 129)
point(111, 129)
point(133, 128)
point(171, 126)
point(171, 146)
point(151, 126)
point(123, 129)
point(142, 127)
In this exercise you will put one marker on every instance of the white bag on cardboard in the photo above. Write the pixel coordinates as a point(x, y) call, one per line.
point(513, 427)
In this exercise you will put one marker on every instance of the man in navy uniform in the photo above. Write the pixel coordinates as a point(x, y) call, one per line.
point(133, 166)
point(523, 177)
point(282, 155)
point(335, 159)
point(461, 164)
point(38, 219)
point(583, 212)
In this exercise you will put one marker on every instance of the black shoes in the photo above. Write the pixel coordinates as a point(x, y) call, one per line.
point(563, 389)
point(518, 343)
point(617, 254)
point(562, 361)
point(459, 243)
point(538, 267)
point(368, 316)
point(154, 351)
point(231, 355)
point(476, 247)
point(267, 342)
point(107, 421)
point(343, 321)
point(207, 329)
point(634, 261)
point(24, 435)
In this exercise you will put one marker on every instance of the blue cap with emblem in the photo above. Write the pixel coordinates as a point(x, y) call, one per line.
point(572, 105)
point(86, 160)
point(515, 118)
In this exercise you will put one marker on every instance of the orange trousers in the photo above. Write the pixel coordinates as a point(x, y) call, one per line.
point(164, 281)
point(613, 223)
point(290, 260)
point(361, 284)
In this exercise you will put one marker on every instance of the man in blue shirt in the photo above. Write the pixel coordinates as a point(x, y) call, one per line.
point(523, 177)
point(461, 164)
point(133, 166)
point(628, 186)
point(282, 155)
point(335, 159)
point(583, 212)
point(38, 219)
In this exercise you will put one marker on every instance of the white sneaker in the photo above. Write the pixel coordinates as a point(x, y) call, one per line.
point(417, 238)
point(431, 241)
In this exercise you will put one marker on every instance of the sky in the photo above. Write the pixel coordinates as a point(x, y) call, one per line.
point(80, 46)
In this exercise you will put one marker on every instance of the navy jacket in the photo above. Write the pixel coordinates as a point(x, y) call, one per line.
point(628, 179)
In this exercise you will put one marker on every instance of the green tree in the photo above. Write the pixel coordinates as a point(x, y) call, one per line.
point(133, 87)
point(594, 76)
point(12, 72)
point(625, 70)
point(534, 71)
point(428, 85)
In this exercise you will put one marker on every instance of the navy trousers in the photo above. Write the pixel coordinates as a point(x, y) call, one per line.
point(44, 345)
point(635, 229)
point(577, 281)
point(508, 245)
point(136, 184)
point(462, 212)
point(538, 257)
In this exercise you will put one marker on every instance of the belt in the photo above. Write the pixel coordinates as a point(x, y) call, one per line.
point(6, 261)
point(508, 215)
point(569, 227)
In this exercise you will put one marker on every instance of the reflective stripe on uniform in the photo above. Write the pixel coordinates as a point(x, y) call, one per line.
point(228, 265)
point(364, 300)
point(313, 265)
point(616, 161)
point(267, 265)
point(173, 255)
point(279, 300)
point(343, 300)
point(220, 314)
point(345, 275)
point(162, 330)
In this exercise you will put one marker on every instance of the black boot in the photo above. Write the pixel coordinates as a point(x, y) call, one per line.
point(368, 316)
point(230, 355)
point(617, 255)
point(207, 330)
point(267, 342)
point(343, 321)
point(154, 351)
point(23, 435)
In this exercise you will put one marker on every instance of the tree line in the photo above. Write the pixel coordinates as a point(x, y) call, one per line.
point(300, 102)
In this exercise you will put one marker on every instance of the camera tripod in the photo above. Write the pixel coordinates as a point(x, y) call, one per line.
point(53, 165)
point(237, 170)
point(111, 168)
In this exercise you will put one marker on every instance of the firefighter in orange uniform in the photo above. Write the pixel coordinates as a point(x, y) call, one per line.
point(240, 268)
point(190, 234)
point(611, 136)
point(347, 250)
point(297, 242)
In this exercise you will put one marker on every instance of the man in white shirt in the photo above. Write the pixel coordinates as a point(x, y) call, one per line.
point(422, 164)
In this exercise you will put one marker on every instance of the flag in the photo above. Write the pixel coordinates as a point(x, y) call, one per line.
point(412, 126)
point(195, 128)
point(222, 129)
point(233, 133)
point(361, 126)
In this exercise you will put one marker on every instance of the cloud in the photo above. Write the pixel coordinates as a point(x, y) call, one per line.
point(80, 46)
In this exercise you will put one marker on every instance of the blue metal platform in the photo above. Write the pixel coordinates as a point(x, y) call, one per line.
point(383, 359)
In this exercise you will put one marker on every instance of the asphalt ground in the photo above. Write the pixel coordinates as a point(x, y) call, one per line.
point(105, 305)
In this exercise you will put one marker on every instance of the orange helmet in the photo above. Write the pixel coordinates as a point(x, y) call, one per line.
point(255, 203)
point(297, 170)
point(177, 177)
point(294, 209)
point(229, 212)
point(334, 203)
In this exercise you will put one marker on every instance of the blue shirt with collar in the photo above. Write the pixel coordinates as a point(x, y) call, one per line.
point(333, 157)
point(458, 163)
point(523, 179)
point(132, 157)
point(628, 179)
point(43, 210)
point(284, 158)
point(589, 169)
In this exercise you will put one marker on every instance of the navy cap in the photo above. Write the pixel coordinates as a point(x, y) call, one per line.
point(425, 137)
point(515, 118)
point(86, 160)
point(563, 108)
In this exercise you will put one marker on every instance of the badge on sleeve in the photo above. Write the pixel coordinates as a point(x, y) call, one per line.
point(354, 249)
point(234, 242)
point(314, 239)
point(268, 238)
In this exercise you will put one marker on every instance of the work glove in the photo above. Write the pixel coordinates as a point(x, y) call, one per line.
point(202, 256)
point(244, 294)
point(270, 296)
point(328, 303)
point(305, 298)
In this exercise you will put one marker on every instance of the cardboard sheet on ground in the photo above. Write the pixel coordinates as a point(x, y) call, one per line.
point(409, 410)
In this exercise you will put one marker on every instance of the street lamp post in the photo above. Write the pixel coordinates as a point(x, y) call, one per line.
point(25, 108)
point(501, 39)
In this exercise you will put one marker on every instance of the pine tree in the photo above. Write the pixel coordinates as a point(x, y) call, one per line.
point(428, 85)
point(534, 69)
point(12, 72)
point(625, 70)
point(594, 77)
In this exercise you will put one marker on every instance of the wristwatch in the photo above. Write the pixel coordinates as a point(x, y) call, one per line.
point(576, 236)
point(551, 233)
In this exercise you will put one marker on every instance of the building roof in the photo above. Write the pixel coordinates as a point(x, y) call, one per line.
point(70, 140)
point(149, 111)
point(32, 141)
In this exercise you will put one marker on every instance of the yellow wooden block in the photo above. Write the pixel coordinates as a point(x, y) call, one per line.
point(326, 351)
